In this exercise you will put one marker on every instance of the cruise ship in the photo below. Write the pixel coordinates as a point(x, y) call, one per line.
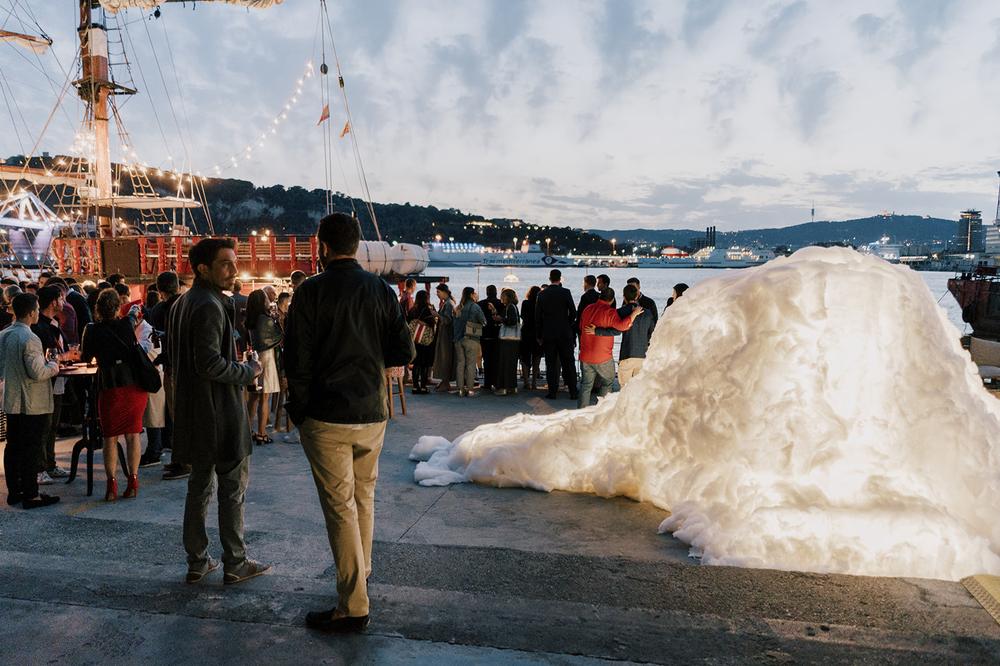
point(710, 257)
point(474, 254)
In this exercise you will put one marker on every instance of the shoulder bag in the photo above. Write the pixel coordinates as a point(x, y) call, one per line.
point(511, 332)
point(144, 373)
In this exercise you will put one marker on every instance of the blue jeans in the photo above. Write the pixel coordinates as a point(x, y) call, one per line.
point(597, 376)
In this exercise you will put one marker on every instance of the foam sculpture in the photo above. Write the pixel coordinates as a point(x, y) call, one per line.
point(816, 413)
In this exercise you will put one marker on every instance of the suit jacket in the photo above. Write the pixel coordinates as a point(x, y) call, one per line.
point(27, 389)
point(555, 313)
point(210, 417)
point(589, 297)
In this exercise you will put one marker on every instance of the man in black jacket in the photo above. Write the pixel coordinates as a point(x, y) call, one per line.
point(645, 302)
point(344, 328)
point(555, 317)
point(589, 297)
point(490, 341)
point(169, 285)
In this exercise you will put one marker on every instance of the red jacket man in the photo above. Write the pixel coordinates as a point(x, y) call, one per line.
point(599, 349)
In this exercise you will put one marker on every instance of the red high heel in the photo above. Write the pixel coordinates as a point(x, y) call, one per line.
point(133, 486)
point(111, 494)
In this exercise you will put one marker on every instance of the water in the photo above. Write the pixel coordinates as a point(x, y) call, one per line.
point(657, 283)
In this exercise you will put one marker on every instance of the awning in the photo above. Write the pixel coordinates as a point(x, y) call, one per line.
point(140, 203)
point(115, 6)
point(41, 176)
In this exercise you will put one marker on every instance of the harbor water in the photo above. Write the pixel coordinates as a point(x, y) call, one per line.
point(656, 283)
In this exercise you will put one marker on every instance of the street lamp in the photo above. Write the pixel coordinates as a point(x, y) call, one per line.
point(515, 243)
point(614, 242)
point(548, 246)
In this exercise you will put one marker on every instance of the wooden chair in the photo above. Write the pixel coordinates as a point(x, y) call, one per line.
point(394, 376)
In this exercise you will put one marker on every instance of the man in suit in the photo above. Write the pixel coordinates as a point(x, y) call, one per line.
point(27, 400)
point(589, 297)
point(645, 302)
point(555, 318)
point(211, 427)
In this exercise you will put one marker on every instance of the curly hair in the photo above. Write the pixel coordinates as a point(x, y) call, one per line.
point(108, 305)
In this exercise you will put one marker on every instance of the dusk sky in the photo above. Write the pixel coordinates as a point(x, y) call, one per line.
point(615, 114)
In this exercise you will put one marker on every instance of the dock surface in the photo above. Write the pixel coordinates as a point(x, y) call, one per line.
point(461, 573)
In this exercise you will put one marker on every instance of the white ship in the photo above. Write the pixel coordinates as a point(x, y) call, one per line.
point(474, 254)
point(710, 257)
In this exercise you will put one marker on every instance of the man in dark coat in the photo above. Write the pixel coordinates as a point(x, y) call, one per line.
point(555, 317)
point(345, 326)
point(211, 428)
point(490, 341)
point(588, 297)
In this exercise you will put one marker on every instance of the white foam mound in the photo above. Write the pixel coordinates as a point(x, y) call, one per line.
point(816, 413)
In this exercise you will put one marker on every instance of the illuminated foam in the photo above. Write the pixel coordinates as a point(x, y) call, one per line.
point(815, 413)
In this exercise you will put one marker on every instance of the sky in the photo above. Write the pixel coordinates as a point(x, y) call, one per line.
point(611, 114)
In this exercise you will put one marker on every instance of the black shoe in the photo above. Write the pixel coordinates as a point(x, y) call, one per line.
point(151, 461)
point(40, 501)
point(174, 472)
point(324, 621)
point(14, 499)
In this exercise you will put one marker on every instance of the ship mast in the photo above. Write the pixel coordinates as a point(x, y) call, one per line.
point(95, 87)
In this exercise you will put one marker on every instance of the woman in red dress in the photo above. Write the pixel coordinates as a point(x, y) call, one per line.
point(120, 400)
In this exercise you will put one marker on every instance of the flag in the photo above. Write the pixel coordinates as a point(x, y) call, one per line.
point(347, 128)
point(325, 115)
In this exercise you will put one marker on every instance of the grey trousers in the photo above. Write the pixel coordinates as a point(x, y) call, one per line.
point(466, 356)
point(233, 479)
point(599, 376)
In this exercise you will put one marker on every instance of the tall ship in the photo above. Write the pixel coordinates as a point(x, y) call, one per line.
point(529, 255)
point(86, 214)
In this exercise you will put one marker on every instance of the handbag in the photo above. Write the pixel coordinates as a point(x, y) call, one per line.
point(421, 332)
point(511, 332)
point(144, 373)
point(473, 329)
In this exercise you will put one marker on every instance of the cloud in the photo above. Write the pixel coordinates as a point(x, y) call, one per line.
point(780, 21)
point(699, 17)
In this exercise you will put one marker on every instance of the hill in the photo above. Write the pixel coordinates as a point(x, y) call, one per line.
point(901, 228)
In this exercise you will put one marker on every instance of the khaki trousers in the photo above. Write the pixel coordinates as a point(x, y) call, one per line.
point(628, 369)
point(344, 461)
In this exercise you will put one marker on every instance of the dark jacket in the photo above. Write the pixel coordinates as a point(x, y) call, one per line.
point(555, 314)
point(265, 334)
point(649, 305)
point(635, 341)
point(159, 319)
point(79, 304)
point(111, 343)
point(210, 417)
point(345, 327)
point(491, 329)
point(589, 297)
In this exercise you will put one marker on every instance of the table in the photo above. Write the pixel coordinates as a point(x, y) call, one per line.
point(91, 438)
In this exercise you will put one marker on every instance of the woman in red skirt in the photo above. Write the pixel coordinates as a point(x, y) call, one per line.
point(120, 401)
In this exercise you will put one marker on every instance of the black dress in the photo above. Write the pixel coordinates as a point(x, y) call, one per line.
point(425, 353)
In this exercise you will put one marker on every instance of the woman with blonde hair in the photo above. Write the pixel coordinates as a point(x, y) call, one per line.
point(121, 402)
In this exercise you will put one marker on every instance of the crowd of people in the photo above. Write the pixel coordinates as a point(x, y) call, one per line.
point(210, 373)
point(493, 343)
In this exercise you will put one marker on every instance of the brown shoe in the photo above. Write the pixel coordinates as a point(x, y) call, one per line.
point(246, 571)
point(198, 571)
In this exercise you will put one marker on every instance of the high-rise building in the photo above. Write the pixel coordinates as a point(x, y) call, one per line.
point(970, 236)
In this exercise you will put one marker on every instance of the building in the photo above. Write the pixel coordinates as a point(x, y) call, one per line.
point(970, 236)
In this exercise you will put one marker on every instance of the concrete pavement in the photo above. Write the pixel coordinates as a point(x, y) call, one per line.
point(462, 573)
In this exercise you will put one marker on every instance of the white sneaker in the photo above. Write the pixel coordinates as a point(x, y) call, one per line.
point(58, 472)
point(44, 479)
